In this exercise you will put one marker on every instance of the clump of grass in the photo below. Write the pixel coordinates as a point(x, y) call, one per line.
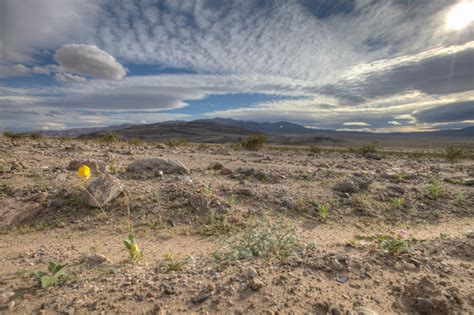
point(216, 224)
point(254, 142)
point(266, 240)
point(135, 141)
point(453, 153)
point(435, 190)
point(388, 245)
point(169, 264)
point(176, 142)
point(368, 148)
point(315, 149)
point(398, 202)
point(110, 137)
point(323, 212)
point(57, 275)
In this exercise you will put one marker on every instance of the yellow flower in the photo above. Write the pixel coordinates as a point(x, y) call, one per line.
point(84, 171)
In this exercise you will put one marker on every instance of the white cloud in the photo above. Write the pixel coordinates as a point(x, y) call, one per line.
point(88, 60)
point(356, 123)
point(394, 122)
point(68, 77)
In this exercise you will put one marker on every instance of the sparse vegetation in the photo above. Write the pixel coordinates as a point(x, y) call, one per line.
point(57, 274)
point(398, 202)
point(267, 240)
point(323, 212)
point(14, 135)
point(176, 142)
point(368, 148)
point(435, 190)
point(170, 264)
point(453, 153)
point(315, 149)
point(254, 142)
point(216, 224)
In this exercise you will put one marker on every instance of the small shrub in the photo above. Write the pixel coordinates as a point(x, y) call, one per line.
point(368, 148)
point(254, 142)
point(315, 149)
point(14, 135)
point(265, 240)
point(176, 142)
point(323, 212)
point(169, 264)
point(110, 137)
point(36, 135)
point(57, 274)
point(398, 202)
point(135, 141)
point(435, 190)
point(216, 224)
point(393, 246)
point(453, 153)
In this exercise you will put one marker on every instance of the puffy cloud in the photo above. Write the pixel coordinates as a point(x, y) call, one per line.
point(90, 61)
point(13, 70)
point(394, 122)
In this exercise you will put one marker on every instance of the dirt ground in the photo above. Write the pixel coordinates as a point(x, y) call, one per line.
point(236, 232)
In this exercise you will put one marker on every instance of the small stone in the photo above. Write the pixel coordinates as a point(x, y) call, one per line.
point(103, 190)
point(215, 166)
point(255, 283)
point(346, 187)
point(251, 273)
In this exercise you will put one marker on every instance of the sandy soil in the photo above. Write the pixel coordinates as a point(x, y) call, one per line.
point(402, 244)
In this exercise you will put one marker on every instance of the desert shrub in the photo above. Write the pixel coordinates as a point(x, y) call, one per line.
point(14, 135)
point(315, 149)
point(323, 213)
point(215, 224)
point(169, 264)
point(135, 141)
point(36, 135)
point(435, 190)
point(176, 142)
point(109, 137)
point(254, 142)
point(453, 153)
point(267, 240)
point(368, 148)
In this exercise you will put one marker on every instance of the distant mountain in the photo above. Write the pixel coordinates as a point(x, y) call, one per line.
point(76, 132)
point(281, 127)
point(193, 131)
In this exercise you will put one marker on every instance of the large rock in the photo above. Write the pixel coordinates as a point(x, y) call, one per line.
point(353, 185)
point(14, 212)
point(102, 190)
point(94, 165)
point(152, 167)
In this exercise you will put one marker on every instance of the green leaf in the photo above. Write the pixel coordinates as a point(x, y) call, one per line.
point(47, 281)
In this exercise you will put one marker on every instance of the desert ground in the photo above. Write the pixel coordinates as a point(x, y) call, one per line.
point(225, 230)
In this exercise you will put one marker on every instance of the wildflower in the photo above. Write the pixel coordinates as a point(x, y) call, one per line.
point(403, 234)
point(84, 171)
point(132, 247)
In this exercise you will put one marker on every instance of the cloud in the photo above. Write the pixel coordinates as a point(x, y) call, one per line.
point(454, 112)
point(13, 70)
point(88, 60)
point(394, 122)
point(356, 123)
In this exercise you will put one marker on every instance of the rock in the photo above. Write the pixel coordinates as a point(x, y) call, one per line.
point(250, 273)
point(346, 187)
point(363, 310)
point(470, 235)
point(215, 166)
point(152, 166)
point(225, 171)
point(94, 165)
point(103, 190)
point(204, 294)
point(289, 203)
point(396, 189)
point(255, 283)
point(160, 146)
point(223, 151)
point(373, 156)
point(94, 260)
point(14, 212)
point(246, 171)
point(362, 182)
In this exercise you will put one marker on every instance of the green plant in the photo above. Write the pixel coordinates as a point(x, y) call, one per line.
point(398, 202)
point(323, 212)
point(131, 244)
point(14, 135)
point(368, 148)
point(453, 153)
point(435, 190)
point(169, 264)
point(392, 246)
point(176, 142)
point(135, 141)
point(41, 182)
point(216, 224)
point(254, 142)
point(57, 274)
point(267, 240)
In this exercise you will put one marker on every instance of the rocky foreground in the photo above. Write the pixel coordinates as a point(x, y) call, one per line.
point(230, 231)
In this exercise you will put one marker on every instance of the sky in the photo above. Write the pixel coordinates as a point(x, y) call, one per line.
point(365, 65)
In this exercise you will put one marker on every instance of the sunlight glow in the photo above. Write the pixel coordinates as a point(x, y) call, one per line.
point(461, 15)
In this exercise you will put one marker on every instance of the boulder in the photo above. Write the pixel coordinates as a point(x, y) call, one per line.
point(102, 190)
point(14, 212)
point(94, 165)
point(151, 167)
